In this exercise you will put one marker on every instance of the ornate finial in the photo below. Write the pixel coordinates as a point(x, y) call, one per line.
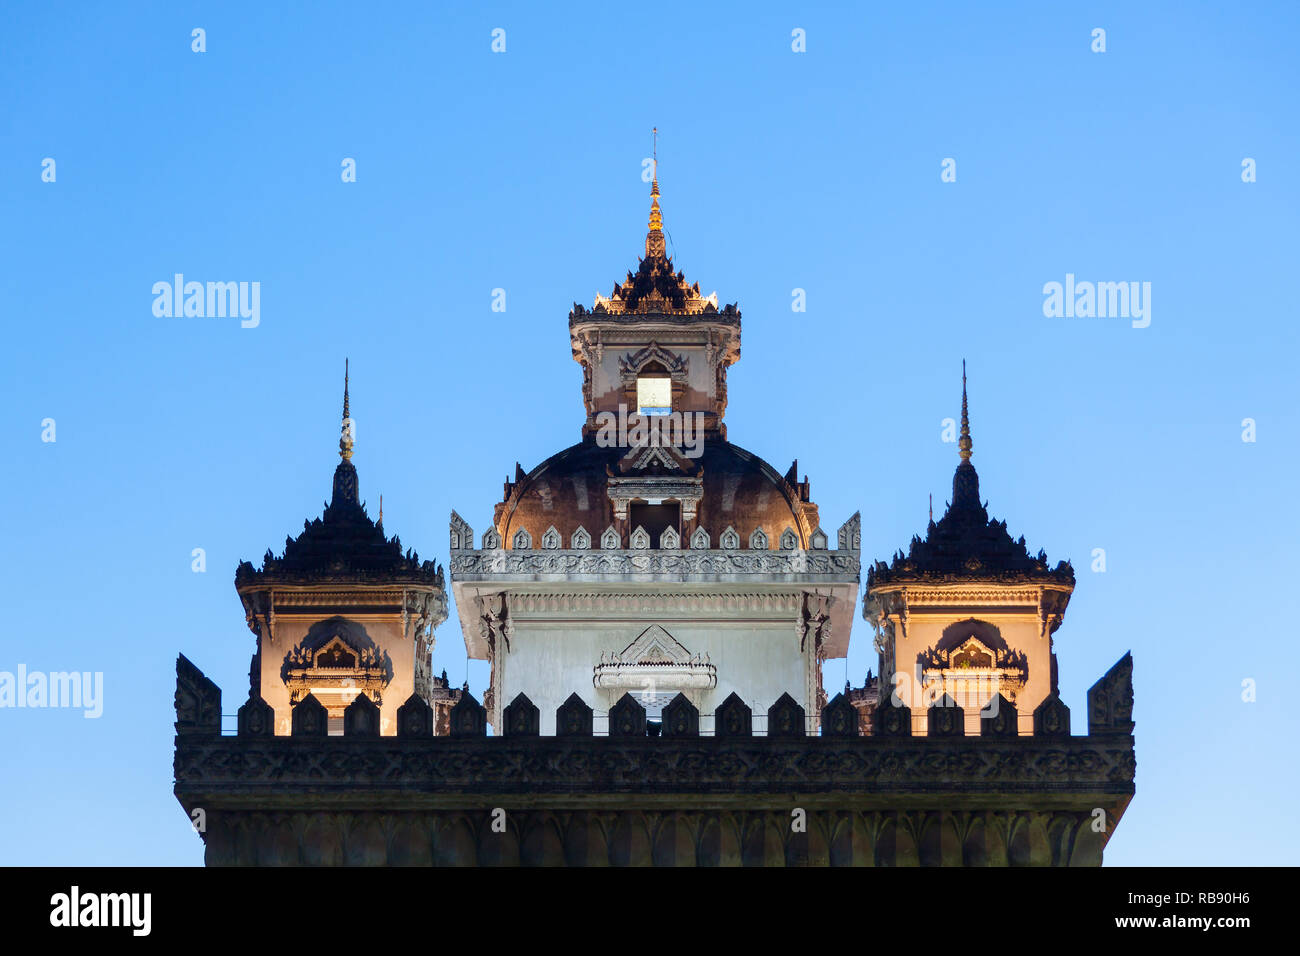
point(965, 481)
point(654, 241)
point(345, 439)
point(965, 443)
point(932, 507)
point(381, 509)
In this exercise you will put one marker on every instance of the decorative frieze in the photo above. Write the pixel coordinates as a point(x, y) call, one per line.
point(338, 597)
point(965, 595)
point(741, 605)
point(468, 564)
point(431, 770)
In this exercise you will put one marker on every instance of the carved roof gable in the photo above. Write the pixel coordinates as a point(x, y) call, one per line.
point(655, 645)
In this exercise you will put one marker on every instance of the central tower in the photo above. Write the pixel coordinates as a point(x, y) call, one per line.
point(656, 338)
point(654, 557)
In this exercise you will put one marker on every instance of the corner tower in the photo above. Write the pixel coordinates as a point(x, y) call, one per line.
point(967, 612)
point(343, 612)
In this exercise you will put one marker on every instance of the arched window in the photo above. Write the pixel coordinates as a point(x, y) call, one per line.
point(972, 664)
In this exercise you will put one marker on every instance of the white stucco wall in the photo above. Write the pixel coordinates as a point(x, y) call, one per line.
point(550, 660)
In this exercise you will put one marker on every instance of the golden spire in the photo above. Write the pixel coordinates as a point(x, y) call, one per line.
point(345, 439)
point(654, 241)
point(965, 443)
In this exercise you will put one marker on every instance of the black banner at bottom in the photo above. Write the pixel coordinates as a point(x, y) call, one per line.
point(335, 906)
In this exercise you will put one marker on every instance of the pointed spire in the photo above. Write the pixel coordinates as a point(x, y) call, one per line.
point(345, 439)
point(966, 482)
point(345, 475)
point(654, 240)
point(965, 443)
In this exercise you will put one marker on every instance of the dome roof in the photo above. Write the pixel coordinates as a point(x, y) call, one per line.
point(740, 491)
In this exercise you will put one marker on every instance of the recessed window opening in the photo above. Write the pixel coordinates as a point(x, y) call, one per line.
point(655, 518)
point(654, 391)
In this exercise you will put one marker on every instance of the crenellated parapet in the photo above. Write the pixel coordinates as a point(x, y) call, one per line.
point(659, 793)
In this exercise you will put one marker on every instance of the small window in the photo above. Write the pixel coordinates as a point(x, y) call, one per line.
point(655, 518)
point(654, 391)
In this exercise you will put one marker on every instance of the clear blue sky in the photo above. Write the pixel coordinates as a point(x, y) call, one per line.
point(521, 171)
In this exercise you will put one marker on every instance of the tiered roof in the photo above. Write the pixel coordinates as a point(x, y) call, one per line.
point(655, 289)
point(966, 544)
point(345, 544)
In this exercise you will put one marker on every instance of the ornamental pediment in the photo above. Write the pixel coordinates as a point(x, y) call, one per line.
point(655, 645)
point(655, 658)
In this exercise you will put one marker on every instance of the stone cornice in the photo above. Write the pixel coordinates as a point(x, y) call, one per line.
point(334, 595)
point(581, 318)
point(455, 771)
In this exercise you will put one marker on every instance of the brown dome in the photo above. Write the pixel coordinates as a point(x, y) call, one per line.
point(740, 491)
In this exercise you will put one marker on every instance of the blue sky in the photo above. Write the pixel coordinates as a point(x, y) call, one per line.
point(521, 171)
